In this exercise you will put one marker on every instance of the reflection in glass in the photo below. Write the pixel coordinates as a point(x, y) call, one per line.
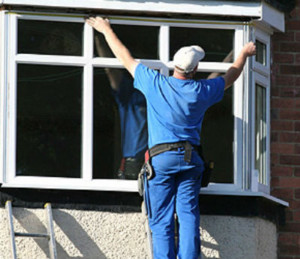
point(217, 44)
point(217, 135)
point(261, 52)
point(142, 41)
point(261, 133)
point(120, 126)
point(50, 38)
point(49, 101)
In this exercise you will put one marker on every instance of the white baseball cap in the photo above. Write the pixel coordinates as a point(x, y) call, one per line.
point(187, 58)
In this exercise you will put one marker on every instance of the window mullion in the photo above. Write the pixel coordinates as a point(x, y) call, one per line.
point(12, 100)
point(3, 79)
point(87, 106)
point(164, 47)
point(238, 92)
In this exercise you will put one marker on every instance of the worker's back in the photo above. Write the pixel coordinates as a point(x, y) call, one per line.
point(176, 107)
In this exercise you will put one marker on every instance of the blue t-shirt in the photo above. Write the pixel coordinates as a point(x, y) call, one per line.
point(133, 119)
point(175, 107)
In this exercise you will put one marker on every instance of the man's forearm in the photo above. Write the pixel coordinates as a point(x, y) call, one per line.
point(236, 69)
point(119, 50)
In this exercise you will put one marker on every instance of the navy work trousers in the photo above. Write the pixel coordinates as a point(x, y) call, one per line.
point(175, 188)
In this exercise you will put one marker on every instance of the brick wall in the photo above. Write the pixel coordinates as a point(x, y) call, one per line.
point(285, 130)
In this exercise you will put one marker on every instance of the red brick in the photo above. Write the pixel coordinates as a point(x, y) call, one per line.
point(288, 215)
point(289, 238)
point(290, 69)
point(297, 104)
point(297, 149)
point(296, 216)
point(283, 58)
point(274, 114)
point(297, 37)
point(293, 25)
point(290, 47)
point(283, 193)
point(294, 205)
point(289, 137)
point(295, 14)
point(288, 182)
point(290, 92)
point(274, 182)
point(284, 80)
point(290, 160)
point(275, 91)
point(275, 46)
point(289, 114)
point(274, 159)
point(282, 171)
point(291, 227)
point(282, 148)
point(282, 125)
point(297, 81)
point(297, 171)
point(274, 136)
point(297, 193)
point(297, 126)
point(288, 36)
point(289, 249)
point(282, 103)
point(297, 59)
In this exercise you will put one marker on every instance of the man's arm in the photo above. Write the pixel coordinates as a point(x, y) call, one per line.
point(117, 47)
point(236, 69)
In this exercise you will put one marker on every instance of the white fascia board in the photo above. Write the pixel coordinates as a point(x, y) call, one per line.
point(271, 17)
point(202, 7)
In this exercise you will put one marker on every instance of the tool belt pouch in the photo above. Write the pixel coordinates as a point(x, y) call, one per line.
point(145, 174)
point(208, 168)
point(206, 175)
point(141, 180)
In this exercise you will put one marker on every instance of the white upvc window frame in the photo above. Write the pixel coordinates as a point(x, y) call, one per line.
point(88, 62)
point(261, 77)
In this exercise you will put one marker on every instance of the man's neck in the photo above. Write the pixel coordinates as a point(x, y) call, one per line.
point(182, 76)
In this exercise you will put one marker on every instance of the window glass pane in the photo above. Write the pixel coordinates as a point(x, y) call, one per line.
point(217, 44)
point(50, 38)
point(261, 52)
point(49, 100)
point(142, 41)
point(261, 133)
point(217, 135)
point(120, 127)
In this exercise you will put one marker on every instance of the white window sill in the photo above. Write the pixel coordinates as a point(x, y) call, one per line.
point(121, 186)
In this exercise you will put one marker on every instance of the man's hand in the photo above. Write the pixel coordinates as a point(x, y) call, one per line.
point(117, 47)
point(99, 24)
point(249, 49)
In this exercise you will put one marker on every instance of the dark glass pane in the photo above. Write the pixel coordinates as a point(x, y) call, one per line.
point(217, 136)
point(50, 38)
point(261, 133)
point(142, 41)
point(120, 128)
point(261, 53)
point(217, 44)
point(49, 100)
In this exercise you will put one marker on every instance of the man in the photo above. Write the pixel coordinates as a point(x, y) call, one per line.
point(175, 110)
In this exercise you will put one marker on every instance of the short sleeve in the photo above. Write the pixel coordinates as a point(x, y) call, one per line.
point(144, 78)
point(214, 89)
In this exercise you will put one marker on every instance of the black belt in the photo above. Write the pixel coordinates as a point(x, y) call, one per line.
point(160, 148)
